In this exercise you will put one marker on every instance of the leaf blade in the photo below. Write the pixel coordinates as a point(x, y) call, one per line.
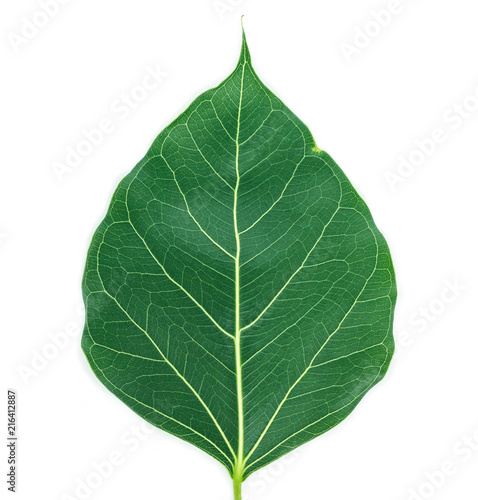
point(238, 252)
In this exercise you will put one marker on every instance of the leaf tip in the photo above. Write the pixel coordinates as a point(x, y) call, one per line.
point(245, 54)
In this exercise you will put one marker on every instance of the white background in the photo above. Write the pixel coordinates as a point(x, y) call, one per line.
point(366, 111)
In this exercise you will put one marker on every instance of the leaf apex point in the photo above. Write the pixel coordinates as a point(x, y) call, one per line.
point(245, 54)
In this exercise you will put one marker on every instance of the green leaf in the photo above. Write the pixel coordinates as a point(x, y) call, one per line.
point(238, 292)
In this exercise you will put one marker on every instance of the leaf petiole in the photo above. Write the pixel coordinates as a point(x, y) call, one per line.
point(237, 481)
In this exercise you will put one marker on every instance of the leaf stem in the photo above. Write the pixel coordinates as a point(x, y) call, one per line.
point(237, 482)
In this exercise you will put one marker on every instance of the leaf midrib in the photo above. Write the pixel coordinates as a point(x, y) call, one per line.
point(239, 466)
